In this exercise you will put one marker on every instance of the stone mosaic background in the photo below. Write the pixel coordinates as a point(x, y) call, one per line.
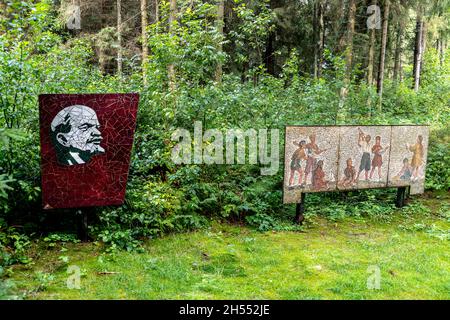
point(85, 150)
point(405, 148)
point(323, 179)
point(342, 160)
point(349, 149)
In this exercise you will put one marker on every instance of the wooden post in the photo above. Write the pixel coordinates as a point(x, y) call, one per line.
point(400, 201)
point(300, 210)
point(82, 224)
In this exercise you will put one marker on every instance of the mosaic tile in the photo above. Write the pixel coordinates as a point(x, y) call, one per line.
point(363, 157)
point(311, 155)
point(353, 157)
point(408, 157)
point(86, 142)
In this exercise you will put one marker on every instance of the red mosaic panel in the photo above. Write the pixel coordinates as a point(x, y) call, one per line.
point(86, 142)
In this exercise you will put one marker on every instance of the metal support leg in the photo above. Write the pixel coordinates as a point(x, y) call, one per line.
point(82, 222)
point(400, 201)
point(300, 210)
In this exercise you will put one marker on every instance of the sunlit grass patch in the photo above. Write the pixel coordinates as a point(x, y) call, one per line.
point(325, 260)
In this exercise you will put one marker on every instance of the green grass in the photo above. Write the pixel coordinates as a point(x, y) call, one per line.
point(327, 260)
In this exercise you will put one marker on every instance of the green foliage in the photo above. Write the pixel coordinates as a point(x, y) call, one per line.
point(7, 289)
point(255, 25)
point(13, 246)
point(416, 208)
point(44, 279)
point(38, 56)
point(432, 230)
point(4, 180)
point(53, 239)
point(438, 168)
point(150, 210)
point(444, 211)
point(261, 221)
point(191, 46)
point(374, 204)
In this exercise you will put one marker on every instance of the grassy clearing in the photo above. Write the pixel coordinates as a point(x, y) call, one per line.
point(327, 260)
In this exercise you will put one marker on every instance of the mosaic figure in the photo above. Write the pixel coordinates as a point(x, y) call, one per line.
point(297, 160)
point(417, 159)
point(318, 177)
point(364, 145)
point(313, 151)
point(406, 172)
point(408, 157)
point(377, 160)
point(349, 174)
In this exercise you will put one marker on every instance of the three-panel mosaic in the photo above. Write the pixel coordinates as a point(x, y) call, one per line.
point(327, 158)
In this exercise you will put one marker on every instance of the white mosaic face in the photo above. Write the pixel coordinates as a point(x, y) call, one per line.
point(76, 132)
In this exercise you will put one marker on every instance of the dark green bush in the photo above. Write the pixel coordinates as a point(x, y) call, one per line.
point(438, 168)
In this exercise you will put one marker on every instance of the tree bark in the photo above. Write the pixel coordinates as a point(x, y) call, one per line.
point(339, 32)
point(398, 52)
point(156, 11)
point(171, 67)
point(423, 47)
point(418, 50)
point(318, 26)
point(220, 25)
point(383, 52)
point(348, 58)
point(269, 54)
point(350, 34)
point(119, 39)
point(371, 62)
point(144, 25)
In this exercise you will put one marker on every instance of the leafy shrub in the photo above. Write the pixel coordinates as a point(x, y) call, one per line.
point(261, 221)
point(13, 247)
point(438, 166)
point(53, 239)
point(151, 209)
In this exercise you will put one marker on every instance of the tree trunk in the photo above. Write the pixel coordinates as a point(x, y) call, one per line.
point(423, 47)
point(318, 26)
point(350, 34)
point(156, 11)
point(144, 24)
point(383, 52)
point(398, 52)
point(348, 58)
point(119, 38)
point(339, 32)
point(171, 67)
point(220, 24)
point(418, 50)
point(370, 65)
point(400, 70)
point(269, 54)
